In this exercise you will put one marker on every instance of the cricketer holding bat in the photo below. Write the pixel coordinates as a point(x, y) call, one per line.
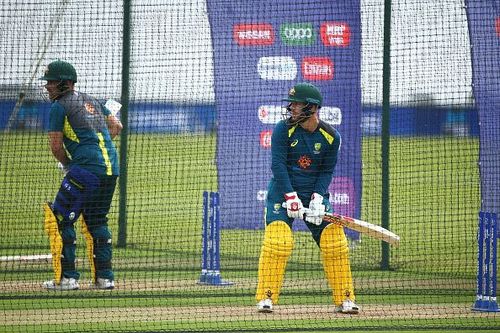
point(80, 133)
point(304, 154)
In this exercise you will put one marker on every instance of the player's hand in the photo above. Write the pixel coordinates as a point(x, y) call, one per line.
point(64, 169)
point(316, 209)
point(294, 207)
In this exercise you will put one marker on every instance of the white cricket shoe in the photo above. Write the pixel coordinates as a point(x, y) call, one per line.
point(66, 284)
point(348, 306)
point(105, 284)
point(265, 306)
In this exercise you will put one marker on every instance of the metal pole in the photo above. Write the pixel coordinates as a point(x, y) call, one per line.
point(386, 88)
point(122, 219)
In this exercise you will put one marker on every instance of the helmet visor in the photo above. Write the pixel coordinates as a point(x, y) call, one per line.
point(294, 99)
point(48, 77)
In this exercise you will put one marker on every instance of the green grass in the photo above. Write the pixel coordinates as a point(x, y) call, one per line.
point(434, 186)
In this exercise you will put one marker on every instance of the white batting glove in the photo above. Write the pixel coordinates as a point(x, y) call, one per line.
point(316, 209)
point(113, 106)
point(294, 207)
point(64, 169)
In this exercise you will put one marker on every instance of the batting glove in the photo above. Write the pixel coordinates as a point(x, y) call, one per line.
point(316, 209)
point(294, 207)
point(63, 168)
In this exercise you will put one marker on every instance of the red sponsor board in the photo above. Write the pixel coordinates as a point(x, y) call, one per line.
point(265, 139)
point(498, 26)
point(253, 34)
point(335, 34)
point(317, 68)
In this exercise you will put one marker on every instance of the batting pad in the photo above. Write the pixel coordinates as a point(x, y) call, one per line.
point(335, 255)
point(55, 241)
point(276, 248)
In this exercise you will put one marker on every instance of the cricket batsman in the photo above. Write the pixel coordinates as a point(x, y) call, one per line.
point(80, 134)
point(304, 154)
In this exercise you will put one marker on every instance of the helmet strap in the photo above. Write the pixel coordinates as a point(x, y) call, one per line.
point(305, 114)
point(62, 89)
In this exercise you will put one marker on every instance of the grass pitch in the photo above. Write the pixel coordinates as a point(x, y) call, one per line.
point(434, 186)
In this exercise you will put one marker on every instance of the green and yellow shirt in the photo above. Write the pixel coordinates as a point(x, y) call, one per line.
point(302, 161)
point(82, 120)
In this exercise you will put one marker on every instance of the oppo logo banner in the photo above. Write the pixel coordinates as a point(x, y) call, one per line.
point(297, 34)
point(261, 49)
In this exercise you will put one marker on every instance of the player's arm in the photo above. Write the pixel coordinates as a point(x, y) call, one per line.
point(110, 109)
point(56, 127)
point(325, 173)
point(114, 125)
point(57, 147)
point(279, 152)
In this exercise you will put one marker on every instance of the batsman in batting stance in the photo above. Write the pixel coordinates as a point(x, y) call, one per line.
point(80, 133)
point(304, 154)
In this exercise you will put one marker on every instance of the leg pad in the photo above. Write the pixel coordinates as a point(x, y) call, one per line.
point(276, 249)
point(335, 255)
point(55, 240)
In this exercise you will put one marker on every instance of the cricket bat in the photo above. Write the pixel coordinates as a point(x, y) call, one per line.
point(363, 227)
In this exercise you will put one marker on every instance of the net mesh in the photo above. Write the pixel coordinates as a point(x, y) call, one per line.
point(171, 158)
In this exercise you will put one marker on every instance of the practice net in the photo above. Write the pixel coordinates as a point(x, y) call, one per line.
point(205, 82)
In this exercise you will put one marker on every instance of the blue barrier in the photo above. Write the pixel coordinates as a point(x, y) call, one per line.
point(143, 117)
point(422, 121)
point(170, 118)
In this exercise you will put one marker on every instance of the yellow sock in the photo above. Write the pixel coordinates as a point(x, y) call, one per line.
point(276, 248)
point(335, 255)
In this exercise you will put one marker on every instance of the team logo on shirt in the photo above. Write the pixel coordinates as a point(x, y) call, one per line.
point(277, 207)
point(304, 162)
point(89, 107)
point(294, 143)
point(317, 148)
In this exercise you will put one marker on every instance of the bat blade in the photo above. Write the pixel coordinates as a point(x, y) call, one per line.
point(363, 227)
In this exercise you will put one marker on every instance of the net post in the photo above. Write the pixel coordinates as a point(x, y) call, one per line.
point(211, 274)
point(493, 305)
point(486, 298)
point(204, 239)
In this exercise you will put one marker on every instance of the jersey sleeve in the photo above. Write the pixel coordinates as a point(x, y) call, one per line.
point(279, 153)
point(325, 174)
point(56, 118)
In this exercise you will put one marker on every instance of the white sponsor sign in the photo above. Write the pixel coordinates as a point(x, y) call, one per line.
point(270, 114)
point(277, 68)
point(331, 115)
